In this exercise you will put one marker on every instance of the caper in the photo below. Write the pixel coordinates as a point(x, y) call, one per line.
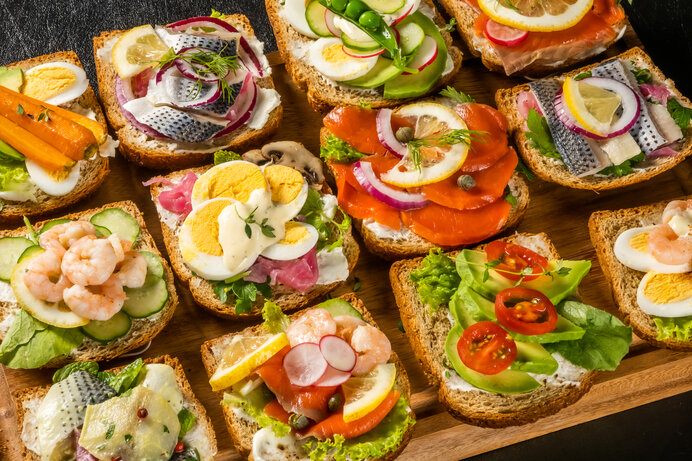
point(355, 8)
point(369, 20)
point(298, 422)
point(339, 5)
point(404, 134)
point(335, 403)
point(466, 182)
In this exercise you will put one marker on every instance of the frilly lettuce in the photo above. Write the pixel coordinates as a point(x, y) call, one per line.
point(437, 279)
point(275, 321)
point(15, 178)
point(253, 404)
point(679, 328)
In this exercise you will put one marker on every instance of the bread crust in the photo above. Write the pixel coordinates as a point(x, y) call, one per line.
point(553, 170)
point(604, 228)
point(92, 174)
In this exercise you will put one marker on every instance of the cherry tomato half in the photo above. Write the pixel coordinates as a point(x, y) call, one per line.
point(525, 311)
point(487, 348)
point(515, 258)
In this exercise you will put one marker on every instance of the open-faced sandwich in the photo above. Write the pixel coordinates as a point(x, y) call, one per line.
point(88, 286)
point(499, 329)
point(537, 37)
point(604, 126)
point(322, 384)
point(646, 255)
point(54, 145)
point(177, 93)
point(263, 225)
point(375, 51)
point(425, 175)
point(143, 411)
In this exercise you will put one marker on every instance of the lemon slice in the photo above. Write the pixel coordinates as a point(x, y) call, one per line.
point(362, 394)
point(243, 355)
point(136, 50)
point(593, 107)
point(537, 16)
point(429, 121)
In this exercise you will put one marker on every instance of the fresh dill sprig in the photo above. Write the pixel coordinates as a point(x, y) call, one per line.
point(448, 138)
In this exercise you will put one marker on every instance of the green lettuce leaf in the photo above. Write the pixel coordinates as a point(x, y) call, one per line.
point(253, 404)
point(125, 379)
point(437, 279)
point(679, 328)
point(223, 156)
point(330, 231)
point(625, 167)
point(241, 291)
point(67, 370)
point(13, 175)
point(338, 150)
point(605, 342)
point(187, 420)
point(539, 135)
point(681, 114)
point(275, 321)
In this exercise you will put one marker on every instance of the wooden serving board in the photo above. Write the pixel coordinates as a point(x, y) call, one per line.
point(645, 375)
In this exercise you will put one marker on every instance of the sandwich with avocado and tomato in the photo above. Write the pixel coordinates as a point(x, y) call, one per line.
point(380, 52)
point(321, 384)
point(87, 286)
point(501, 332)
point(424, 175)
point(143, 411)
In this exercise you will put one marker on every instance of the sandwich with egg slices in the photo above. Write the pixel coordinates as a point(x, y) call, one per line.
point(177, 93)
point(145, 410)
point(646, 256)
point(322, 383)
point(54, 144)
point(263, 225)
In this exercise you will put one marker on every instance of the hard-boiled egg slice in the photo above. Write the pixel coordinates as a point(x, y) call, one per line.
point(55, 82)
point(289, 190)
point(298, 240)
point(631, 249)
point(294, 12)
point(666, 295)
point(236, 180)
point(328, 57)
point(55, 184)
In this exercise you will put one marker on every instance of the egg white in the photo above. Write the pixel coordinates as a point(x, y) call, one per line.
point(200, 196)
point(68, 94)
point(294, 11)
point(50, 186)
point(680, 308)
point(286, 252)
point(347, 68)
point(639, 261)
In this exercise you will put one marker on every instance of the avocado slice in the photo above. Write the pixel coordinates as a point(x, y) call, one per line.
point(471, 266)
point(12, 78)
point(533, 358)
point(7, 151)
point(383, 71)
point(413, 85)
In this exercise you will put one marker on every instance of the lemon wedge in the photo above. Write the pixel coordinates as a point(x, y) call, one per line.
point(536, 16)
point(243, 355)
point(136, 50)
point(362, 394)
point(593, 107)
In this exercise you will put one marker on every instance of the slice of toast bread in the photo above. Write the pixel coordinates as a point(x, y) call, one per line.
point(92, 174)
point(427, 332)
point(162, 153)
point(142, 330)
point(27, 400)
point(203, 291)
point(242, 430)
point(481, 47)
point(604, 228)
point(555, 171)
point(323, 94)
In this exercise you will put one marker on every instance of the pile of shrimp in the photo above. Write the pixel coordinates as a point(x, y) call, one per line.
point(667, 246)
point(372, 347)
point(84, 271)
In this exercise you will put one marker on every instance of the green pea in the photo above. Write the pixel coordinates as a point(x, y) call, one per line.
point(339, 5)
point(354, 9)
point(298, 422)
point(335, 403)
point(369, 19)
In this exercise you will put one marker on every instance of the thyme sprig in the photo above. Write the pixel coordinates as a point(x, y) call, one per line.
point(560, 270)
point(267, 230)
point(447, 138)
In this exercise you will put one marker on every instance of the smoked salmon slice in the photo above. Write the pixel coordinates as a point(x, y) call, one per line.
point(493, 144)
point(276, 411)
point(358, 127)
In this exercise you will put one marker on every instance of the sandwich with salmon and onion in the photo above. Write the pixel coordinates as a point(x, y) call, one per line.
point(430, 174)
point(322, 384)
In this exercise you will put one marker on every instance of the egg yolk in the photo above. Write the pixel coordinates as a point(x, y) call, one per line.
point(335, 54)
point(46, 82)
point(236, 181)
point(640, 242)
point(295, 233)
point(204, 228)
point(285, 183)
point(668, 288)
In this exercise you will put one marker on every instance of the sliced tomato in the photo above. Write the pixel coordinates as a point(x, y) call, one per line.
point(493, 144)
point(449, 227)
point(525, 311)
point(487, 348)
point(276, 411)
point(515, 259)
point(490, 185)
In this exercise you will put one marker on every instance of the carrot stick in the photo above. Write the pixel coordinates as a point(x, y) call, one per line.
point(33, 147)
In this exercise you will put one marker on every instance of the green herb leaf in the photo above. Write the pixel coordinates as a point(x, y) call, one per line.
point(244, 293)
point(681, 114)
point(511, 199)
point(33, 235)
point(187, 421)
point(447, 138)
point(400, 326)
point(339, 151)
point(643, 75)
point(364, 105)
point(522, 168)
point(20, 109)
point(223, 156)
point(110, 431)
point(625, 167)
point(356, 284)
point(449, 27)
point(125, 379)
point(331, 232)
point(165, 429)
point(455, 95)
point(128, 437)
point(67, 370)
point(275, 321)
point(539, 135)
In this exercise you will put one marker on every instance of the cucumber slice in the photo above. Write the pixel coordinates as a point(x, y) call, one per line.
point(108, 330)
point(314, 14)
point(365, 45)
point(102, 231)
point(338, 307)
point(412, 37)
point(52, 223)
point(154, 265)
point(10, 152)
point(119, 222)
point(146, 300)
point(11, 248)
point(29, 252)
point(385, 6)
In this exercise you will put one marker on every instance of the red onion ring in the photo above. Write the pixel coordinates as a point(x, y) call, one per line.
point(398, 199)
point(191, 71)
point(121, 95)
point(242, 108)
point(386, 135)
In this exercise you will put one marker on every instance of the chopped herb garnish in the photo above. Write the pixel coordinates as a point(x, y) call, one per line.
point(110, 431)
point(449, 27)
point(539, 135)
point(128, 437)
point(364, 105)
point(44, 115)
point(267, 230)
point(447, 138)
point(455, 95)
point(643, 75)
point(165, 429)
point(338, 150)
point(681, 114)
point(20, 109)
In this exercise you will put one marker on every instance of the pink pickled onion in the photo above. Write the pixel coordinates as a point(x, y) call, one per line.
point(665, 151)
point(81, 454)
point(157, 180)
point(179, 198)
point(300, 274)
point(657, 93)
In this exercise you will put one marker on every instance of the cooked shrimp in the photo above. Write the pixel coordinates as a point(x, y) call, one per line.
point(310, 327)
point(132, 270)
point(674, 208)
point(59, 238)
point(372, 347)
point(89, 261)
point(346, 325)
point(44, 279)
point(121, 247)
point(667, 247)
point(96, 302)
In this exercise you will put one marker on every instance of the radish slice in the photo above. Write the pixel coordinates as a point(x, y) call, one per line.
point(398, 199)
point(304, 364)
point(362, 54)
point(425, 56)
point(386, 135)
point(504, 35)
point(123, 94)
point(333, 377)
point(338, 353)
point(329, 21)
point(405, 12)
